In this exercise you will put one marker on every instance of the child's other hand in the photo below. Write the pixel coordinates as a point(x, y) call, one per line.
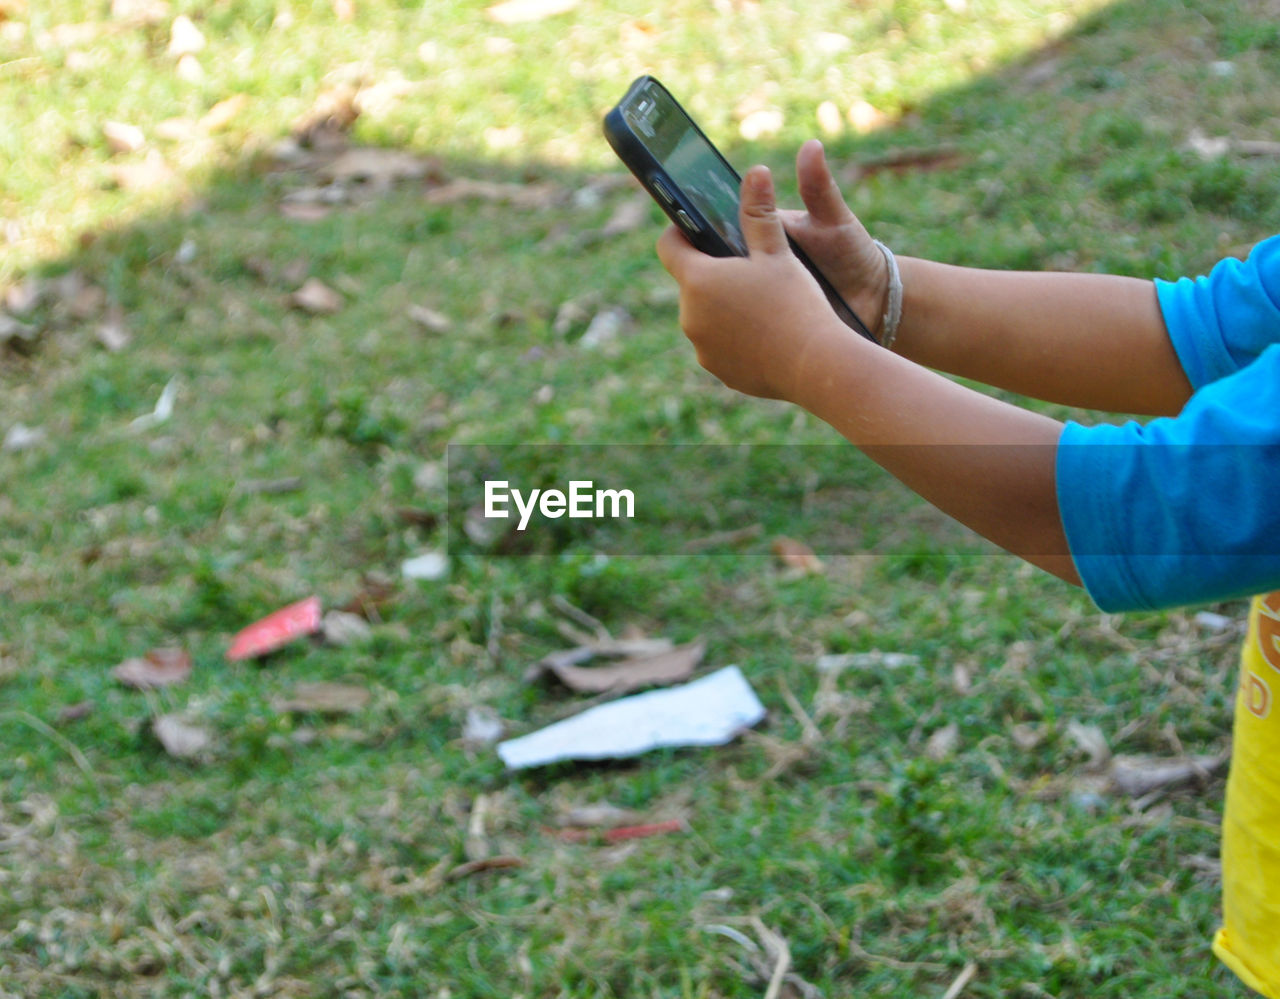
point(835, 240)
point(752, 319)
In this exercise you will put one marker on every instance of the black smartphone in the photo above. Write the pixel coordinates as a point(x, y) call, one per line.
point(689, 179)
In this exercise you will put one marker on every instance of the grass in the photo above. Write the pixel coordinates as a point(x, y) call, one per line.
point(309, 855)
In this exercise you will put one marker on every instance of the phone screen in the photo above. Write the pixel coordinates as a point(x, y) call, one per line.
point(696, 186)
point(690, 160)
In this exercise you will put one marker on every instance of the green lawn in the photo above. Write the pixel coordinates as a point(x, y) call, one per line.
point(892, 823)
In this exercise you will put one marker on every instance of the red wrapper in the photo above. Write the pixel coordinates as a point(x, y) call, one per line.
point(276, 630)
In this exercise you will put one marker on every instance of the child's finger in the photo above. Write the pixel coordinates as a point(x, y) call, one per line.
point(818, 189)
point(761, 224)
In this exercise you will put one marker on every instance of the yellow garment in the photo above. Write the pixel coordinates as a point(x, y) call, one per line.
point(1249, 941)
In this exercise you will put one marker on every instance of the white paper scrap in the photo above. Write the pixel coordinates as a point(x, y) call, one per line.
point(706, 712)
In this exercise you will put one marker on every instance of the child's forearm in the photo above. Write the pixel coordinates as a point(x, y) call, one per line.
point(1090, 340)
point(986, 463)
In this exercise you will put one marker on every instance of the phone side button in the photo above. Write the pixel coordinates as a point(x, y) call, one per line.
point(661, 190)
point(686, 221)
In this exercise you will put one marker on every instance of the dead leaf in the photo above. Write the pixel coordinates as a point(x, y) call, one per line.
point(672, 666)
point(184, 37)
point(23, 297)
point(943, 742)
point(140, 12)
point(224, 112)
point(627, 217)
point(606, 326)
point(308, 212)
point(796, 555)
point(325, 126)
point(180, 739)
point(829, 118)
point(598, 816)
point(524, 11)
point(533, 196)
point(430, 320)
point(483, 727)
point(20, 437)
point(324, 699)
point(189, 69)
point(376, 594)
point(1140, 775)
point(317, 298)
point(342, 628)
point(111, 332)
point(162, 667)
point(1216, 147)
point(866, 117)
point(123, 138)
point(377, 166)
point(761, 124)
point(74, 712)
point(146, 175)
point(15, 334)
point(1091, 740)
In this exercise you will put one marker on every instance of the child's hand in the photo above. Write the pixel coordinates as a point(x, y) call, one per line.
point(835, 240)
point(752, 319)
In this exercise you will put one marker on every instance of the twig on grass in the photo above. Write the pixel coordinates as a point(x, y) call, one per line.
point(777, 948)
point(962, 981)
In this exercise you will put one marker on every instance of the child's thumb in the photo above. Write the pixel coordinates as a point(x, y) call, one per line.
point(761, 224)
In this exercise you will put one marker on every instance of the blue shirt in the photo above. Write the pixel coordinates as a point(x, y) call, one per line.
point(1186, 509)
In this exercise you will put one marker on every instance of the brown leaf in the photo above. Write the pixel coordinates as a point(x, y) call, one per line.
point(343, 628)
point(323, 698)
point(146, 175)
point(1139, 775)
point(429, 319)
point(598, 816)
point(74, 712)
point(536, 195)
point(111, 332)
point(159, 668)
point(943, 742)
point(524, 11)
point(377, 593)
point(628, 216)
point(221, 114)
point(305, 212)
point(179, 738)
point(316, 297)
point(866, 117)
point(659, 669)
point(378, 166)
point(122, 137)
point(326, 125)
point(796, 555)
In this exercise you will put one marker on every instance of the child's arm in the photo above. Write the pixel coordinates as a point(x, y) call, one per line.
point(763, 326)
point(1083, 339)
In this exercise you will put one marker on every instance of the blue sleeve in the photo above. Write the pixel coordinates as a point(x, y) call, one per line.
point(1183, 509)
point(1223, 322)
